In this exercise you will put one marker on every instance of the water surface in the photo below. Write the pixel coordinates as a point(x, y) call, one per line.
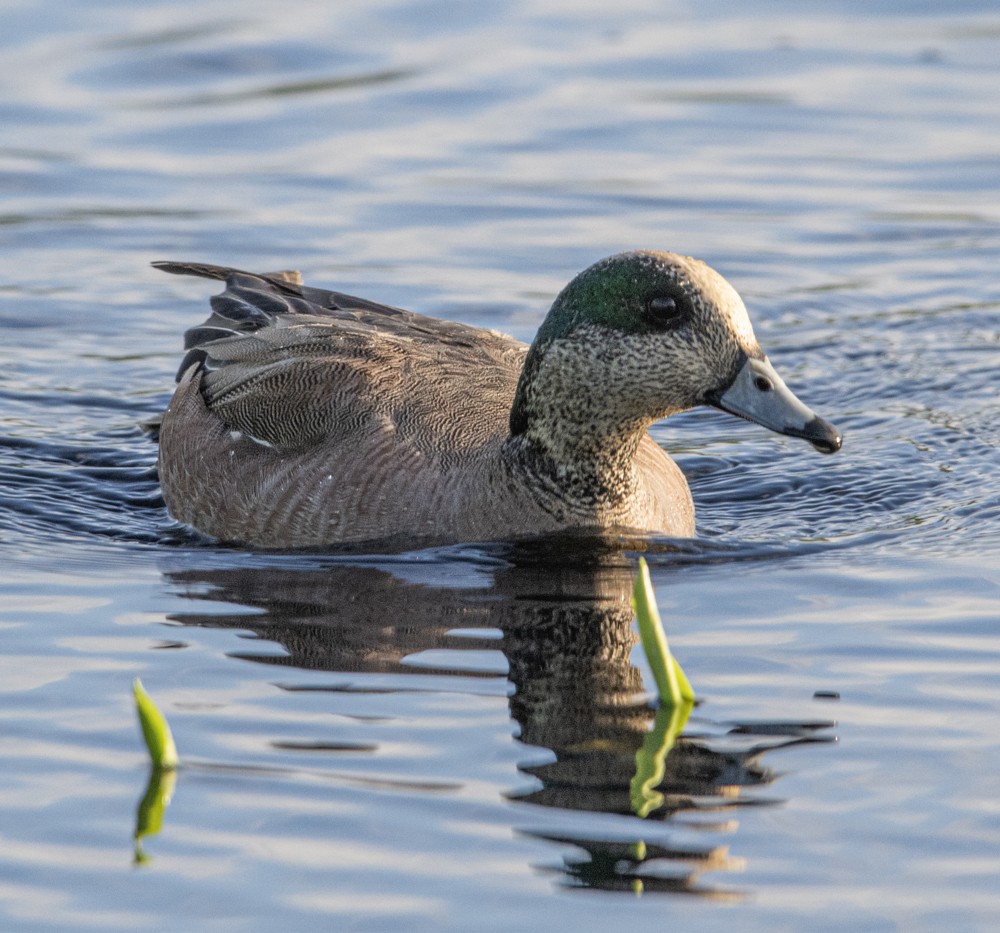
point(444, 738)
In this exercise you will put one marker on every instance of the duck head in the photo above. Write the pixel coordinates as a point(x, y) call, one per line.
point(642, 335)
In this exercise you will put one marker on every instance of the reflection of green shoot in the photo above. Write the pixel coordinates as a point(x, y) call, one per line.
point(651, 759)
point(674, 687)
point(149, 815)
point(163, 774)
point(155, 729)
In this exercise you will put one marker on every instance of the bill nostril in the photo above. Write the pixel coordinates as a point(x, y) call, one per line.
point(764, 385)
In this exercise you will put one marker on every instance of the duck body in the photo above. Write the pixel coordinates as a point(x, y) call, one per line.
point(307, 418)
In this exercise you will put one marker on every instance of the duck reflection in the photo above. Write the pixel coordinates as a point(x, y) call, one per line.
point(567, 635)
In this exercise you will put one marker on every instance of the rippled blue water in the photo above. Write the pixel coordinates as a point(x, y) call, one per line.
point(444, 739)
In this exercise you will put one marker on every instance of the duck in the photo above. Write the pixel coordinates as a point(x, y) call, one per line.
point(307, 418)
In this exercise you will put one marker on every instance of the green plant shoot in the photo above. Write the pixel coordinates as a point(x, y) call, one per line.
point(672, 683)
point(155, 729)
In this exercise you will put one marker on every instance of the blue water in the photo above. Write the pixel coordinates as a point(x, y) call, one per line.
point(444, 739)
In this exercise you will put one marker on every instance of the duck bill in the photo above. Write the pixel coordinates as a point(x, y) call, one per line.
point(760, 395)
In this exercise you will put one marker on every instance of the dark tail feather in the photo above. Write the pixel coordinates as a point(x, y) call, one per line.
point(202, 269)
point(205, 270)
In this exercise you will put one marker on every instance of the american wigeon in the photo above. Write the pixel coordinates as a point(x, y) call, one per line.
point(306, 417)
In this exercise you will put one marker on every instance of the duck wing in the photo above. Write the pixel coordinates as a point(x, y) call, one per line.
point(293, 367)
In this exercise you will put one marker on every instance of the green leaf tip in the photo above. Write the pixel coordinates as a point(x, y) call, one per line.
point(155, 729)
point(671, 682)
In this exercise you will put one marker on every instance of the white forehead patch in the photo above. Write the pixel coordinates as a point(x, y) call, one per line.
point(723, 296)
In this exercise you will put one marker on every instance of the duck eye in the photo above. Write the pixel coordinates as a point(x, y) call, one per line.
point(663, 309)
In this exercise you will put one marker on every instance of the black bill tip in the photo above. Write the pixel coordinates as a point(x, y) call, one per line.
point(823, 436)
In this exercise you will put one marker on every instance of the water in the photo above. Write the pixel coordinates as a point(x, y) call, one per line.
point(444, 739)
